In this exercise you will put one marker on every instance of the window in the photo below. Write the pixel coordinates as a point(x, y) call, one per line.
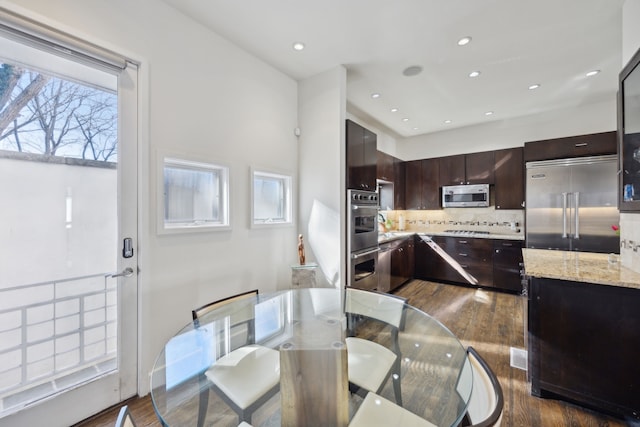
point(271, 199)
point(194, 196)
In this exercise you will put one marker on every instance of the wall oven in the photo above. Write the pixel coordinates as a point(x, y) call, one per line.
point(362, 239)
point(362, 215)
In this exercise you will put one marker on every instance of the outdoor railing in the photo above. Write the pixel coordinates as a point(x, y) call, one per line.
point(54, 336)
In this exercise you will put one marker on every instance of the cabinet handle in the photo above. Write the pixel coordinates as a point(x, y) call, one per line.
point(507, 244)
point(464, 242)
point(464, 266)
point(582, 144)
point(463, 254)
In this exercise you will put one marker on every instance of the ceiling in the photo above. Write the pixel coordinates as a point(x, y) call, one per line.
point(515, 44)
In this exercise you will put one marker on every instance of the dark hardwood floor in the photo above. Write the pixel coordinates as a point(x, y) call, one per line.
point(491, 322)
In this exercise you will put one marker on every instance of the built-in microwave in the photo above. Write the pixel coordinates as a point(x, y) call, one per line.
point(465, 196)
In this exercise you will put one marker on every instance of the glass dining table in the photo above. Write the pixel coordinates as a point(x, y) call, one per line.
point(312, 357)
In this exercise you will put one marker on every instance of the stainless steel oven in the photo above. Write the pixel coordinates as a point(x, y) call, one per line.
point(362, 215)
point(362, 244)
point(364, 269)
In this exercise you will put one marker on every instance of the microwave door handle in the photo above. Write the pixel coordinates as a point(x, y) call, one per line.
point(576, 214)
point(564, 215)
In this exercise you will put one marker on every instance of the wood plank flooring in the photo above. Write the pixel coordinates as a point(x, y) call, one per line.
point(491, 322)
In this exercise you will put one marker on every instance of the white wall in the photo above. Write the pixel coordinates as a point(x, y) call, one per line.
point(322, 104)
point(203, 97)
point(599, 117)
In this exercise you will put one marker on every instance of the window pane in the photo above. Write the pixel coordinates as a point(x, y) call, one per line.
point(194, 194)
point(268, 198)
point(271, 198)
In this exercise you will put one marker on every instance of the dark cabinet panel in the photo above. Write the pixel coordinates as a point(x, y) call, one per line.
point(399, 184)
point(509, 178)
point(413, 184)
point(370, 162)
point(583, 344)
point(362, 157)
point(422, 184)
point(401, 262)
point(385, 168)
point(573, 146)
point(472, 168)
point(479, 168)
point(474, 256)
point(430, 184)
point(452, 170)
point(507, 264)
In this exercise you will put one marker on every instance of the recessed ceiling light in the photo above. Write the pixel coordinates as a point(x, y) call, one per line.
point(534, 86)
point(298, 46)
point(375, 95)
point(415, 128)
point(446, 122)
point(592, 73)
point(394, 110)
point(474, 74)
point(405, 120)
point(488, 113)
point(413, 70)
point(463, 41)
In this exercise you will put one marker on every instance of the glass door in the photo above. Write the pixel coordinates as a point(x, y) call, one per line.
point(68, 227)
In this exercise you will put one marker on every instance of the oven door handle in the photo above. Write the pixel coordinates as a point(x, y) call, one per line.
point(361, 254)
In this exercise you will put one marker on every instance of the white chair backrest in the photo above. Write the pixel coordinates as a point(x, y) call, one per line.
point(484, 395)
point(387, 308)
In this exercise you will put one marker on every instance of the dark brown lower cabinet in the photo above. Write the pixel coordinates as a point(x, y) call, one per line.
point(507, 265)
point(473, 256)
point(584, 344)
point(402, 260)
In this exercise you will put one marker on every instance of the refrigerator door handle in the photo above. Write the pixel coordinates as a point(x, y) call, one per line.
point(576, 214)
point(564, 215)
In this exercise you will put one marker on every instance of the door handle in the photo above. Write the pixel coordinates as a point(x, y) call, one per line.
point(577, 215)
point(564, 215)
point(127, 272)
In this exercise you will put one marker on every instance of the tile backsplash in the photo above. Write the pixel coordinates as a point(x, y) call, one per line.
point(496, 221)
point(630, 241)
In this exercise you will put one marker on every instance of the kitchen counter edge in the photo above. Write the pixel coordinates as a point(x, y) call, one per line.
point(389, 237)
point(585, 267)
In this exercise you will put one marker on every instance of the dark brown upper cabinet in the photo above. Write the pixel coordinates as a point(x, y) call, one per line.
point(573, 146)
point(362, 157)
point(422, 184)
point(385, 168)
point(473, 168)
point(509, 178)
point(399, 184)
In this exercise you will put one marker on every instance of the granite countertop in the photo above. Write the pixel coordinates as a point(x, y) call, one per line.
point(578, 267)
point(394, 235)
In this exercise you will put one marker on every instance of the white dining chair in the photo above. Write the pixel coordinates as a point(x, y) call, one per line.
point(487, 402)
point(124, 418)
point(248, 374)
point(370, 364)
point(376, 411)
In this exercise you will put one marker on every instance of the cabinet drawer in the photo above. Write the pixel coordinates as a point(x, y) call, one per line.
point(573, 146)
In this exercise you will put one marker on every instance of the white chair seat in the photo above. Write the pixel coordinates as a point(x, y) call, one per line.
point(246, 374)
point(376, 411)
point(369, 363)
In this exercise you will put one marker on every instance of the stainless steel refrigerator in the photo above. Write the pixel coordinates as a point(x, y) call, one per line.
point(571, 204)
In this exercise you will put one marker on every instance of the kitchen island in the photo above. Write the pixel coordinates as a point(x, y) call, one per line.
point(584, 330)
